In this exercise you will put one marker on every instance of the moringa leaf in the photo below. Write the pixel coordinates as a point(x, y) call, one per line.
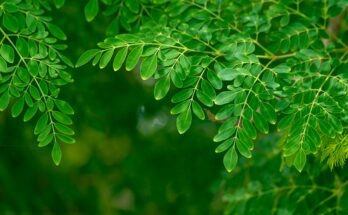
point(148, 67)
point(91, 10)
point(184, 120)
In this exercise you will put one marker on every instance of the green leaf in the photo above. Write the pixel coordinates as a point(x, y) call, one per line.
point(284, 20)
point(28, 100)
point(59, 3)
point(267, 111)
point(243, 149)
point(182, 95)
point(249, 129)
point(4, 101)
point(185, 62)
point(14, 91)
point(207, 89)
point(300, 160)
point(105, 59)
point(3, 65)
point(224, 146)
point(64, 107)
point(17, 108)
point(181, 107)
point(176, 79)
point(22, 47)
point(41, 124)
point(10, 22)
point(162, 88)
point(281, 105)
point(326, 128)
point(44, 134)
point(133, 58)
point(225, 112)
point(33, 68)
point(225, 97)
point(42, 106)
point(227, 74)
point(183, 121)
point(336, 123)
point(291, 147)
point(198, 110)
point(133, 5)
point(62, 118)
point(30, 113)
point(56, 154)
point(245, 139)
point(97, 58)
point(214, 80)
point(120, 58)
point(23, 75)
point(66, 139)
point(230, 159)
point(91, 10)
point(64, 129)
point(285, 122)
point(224, 134)
point(7, 52)
point(204, 98)
point(33, 48)
point(281, 69)
point(34, 92)
point(66, 60)
point(260, 123)
point(148, 67)
point(229, 123)
point(56, 31)
point(46, 139)
point(86, 57)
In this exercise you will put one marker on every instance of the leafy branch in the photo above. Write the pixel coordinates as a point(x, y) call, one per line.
point(32, 71)
point(270, 56)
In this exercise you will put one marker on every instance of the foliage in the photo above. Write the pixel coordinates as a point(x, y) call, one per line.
point(263, 64)
point(335, 151)
point(33, 69)
point(280, 63)
point(316, 191)
point(270, 69)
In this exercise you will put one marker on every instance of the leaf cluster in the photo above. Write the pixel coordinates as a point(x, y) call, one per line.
point(259, 66)
point(32, 70)
point(316, 191)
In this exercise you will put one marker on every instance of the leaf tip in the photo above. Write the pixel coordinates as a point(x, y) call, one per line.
point(158, 98)
point(181, 131)
point(229, 170)
point(144, 78)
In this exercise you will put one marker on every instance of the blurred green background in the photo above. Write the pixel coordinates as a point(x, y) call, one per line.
point(128, 159)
